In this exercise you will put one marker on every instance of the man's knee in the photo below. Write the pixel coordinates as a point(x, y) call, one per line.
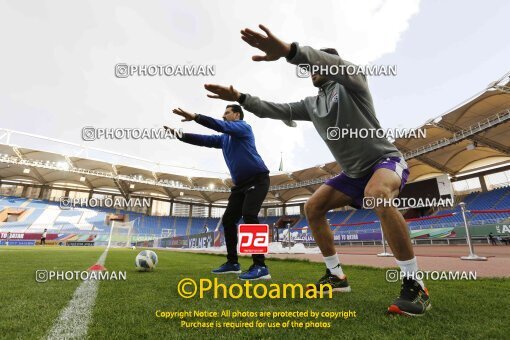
point(378, 191)
point(314, 210)
point(250, 218)
point(228, 221)
point(383, 196)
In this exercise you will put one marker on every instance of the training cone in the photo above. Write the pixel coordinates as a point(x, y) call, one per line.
point(97, 267)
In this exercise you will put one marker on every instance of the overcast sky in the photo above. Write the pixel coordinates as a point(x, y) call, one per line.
point(58, 58)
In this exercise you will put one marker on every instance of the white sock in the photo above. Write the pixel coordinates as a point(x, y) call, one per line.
point(410, 268)
point(333, 264)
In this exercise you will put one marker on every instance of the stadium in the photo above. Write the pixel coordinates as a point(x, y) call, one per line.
point(467, 146)
point(265, 170)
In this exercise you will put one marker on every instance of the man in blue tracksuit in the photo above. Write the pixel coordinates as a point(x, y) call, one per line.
point(249, 174)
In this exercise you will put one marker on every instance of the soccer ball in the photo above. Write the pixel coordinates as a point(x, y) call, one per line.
point(146, 260)
point(133, 247)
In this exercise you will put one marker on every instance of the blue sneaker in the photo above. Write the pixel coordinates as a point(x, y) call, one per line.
point(228, 268)
point(256, 272)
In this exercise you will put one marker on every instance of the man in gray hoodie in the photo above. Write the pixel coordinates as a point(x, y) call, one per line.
point(371, 167)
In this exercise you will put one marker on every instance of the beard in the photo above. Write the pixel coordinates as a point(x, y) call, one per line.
point(319, 81)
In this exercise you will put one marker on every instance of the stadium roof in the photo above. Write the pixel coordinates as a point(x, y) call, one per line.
point(472, 136)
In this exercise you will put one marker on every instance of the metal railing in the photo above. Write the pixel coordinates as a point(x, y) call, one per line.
point(460, 135)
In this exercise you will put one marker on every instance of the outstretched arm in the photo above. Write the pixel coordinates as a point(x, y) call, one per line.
point(233, 128)
point(210, 141)
point(261, 108)
point(286, 112)
point(276, 48)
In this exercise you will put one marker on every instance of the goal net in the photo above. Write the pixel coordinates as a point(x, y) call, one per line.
point(120, 234)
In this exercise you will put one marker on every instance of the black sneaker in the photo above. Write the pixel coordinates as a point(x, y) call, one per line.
point(338, 284)
point(413, 300)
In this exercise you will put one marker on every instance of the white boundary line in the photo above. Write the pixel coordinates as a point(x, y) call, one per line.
point(73, 321)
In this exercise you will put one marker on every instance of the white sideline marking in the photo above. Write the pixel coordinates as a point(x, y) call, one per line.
point(73, 321)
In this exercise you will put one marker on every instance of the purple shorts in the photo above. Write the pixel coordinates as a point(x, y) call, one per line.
point(355, 187)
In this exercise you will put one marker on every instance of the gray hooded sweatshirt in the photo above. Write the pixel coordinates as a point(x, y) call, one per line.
point(342, 102)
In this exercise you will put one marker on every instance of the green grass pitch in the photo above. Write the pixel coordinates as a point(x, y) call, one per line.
point(126, 309)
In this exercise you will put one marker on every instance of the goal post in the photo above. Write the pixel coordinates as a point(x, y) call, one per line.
point(120, 234)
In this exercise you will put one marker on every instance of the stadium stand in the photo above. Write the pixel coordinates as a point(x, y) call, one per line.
point(468, 143)
point(42, 214)
point(11, 201)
